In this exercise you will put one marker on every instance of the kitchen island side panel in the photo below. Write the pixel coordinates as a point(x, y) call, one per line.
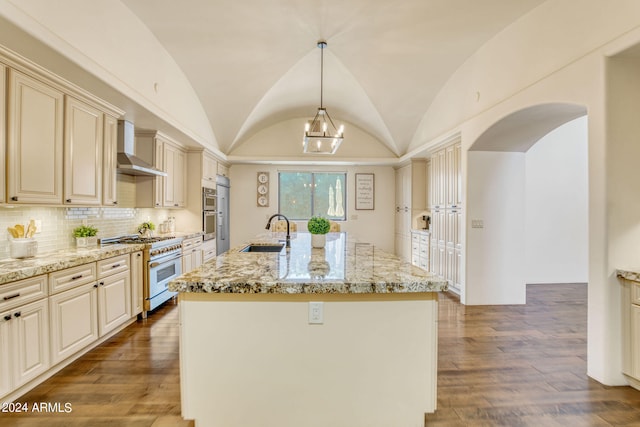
point(255, 360)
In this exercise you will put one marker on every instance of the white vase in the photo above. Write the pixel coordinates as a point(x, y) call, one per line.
point(81, 242)
point(318, 240)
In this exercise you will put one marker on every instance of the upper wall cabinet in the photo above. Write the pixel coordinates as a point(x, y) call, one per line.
point(3, 132)
point(82, 153)
point(35, 141)
point(209, 170)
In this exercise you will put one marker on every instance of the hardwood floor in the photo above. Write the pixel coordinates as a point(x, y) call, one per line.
point(523, 365)
point(498, 366)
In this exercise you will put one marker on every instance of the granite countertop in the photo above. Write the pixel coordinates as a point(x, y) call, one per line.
point(16, 269)
point(343, 266)
point(633, 275)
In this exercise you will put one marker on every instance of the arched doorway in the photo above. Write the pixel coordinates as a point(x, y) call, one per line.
point(496, 198)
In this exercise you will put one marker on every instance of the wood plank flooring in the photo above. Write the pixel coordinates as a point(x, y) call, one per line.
point(498, 366)
point(523, 365)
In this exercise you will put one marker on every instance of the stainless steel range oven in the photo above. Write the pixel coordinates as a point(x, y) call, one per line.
point(163, 262)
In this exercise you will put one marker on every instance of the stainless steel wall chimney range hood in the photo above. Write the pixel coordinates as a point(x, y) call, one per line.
point(128, 162)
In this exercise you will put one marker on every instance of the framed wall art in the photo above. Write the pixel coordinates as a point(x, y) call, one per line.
point(365, 191)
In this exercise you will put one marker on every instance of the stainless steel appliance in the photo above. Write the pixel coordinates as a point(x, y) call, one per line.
point(222, 228)
point(162, 257)
point(128, 162)
point(209, 213)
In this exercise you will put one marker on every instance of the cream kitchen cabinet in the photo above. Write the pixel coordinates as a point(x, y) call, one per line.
point(3, 132)
point(110, 162)
point(420, 253)
point(631, 331)
point(223, 170)
point(191, 254)
point(114, 293)
point(82, 153)
point(137, 271)
point(411, 199)
point(24, 335)
point(73, 319)
point(209, 170)
point(175, 189)
point(35, 141)
point(73, 309)
point(446, 214)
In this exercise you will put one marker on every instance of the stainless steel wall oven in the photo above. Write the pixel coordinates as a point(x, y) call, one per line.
point(209, 212)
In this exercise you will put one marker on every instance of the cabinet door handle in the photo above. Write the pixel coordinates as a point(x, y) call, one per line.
point(139, 255)
point(175, 204)
point(68, 200)
point(157, 204)
point(101, 283)
point(11, 297)
point(115, 202)
point(7, 317)
point(95, 286)
point(76, 277)
point(17, 314)
point(14, 199)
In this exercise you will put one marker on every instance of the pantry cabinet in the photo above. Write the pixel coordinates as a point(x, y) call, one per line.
point(110, 162)
point(35, 141)
point(175, 161)
point(411, 200)
point(446, 203)
point(82, 153)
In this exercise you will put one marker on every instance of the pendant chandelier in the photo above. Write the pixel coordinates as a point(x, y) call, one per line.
point(320, 134)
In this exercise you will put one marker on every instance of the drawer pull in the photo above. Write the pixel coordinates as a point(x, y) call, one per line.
point(101, 283)
point(7, 317)
point(79, 276)
point(95, 286)
point(115, 266)
point(17, 314)
point(11, 297)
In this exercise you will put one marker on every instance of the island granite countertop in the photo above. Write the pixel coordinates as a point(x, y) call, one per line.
point(344, 266)
point(629, 274)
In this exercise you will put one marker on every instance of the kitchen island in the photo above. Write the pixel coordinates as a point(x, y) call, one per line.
point(340, 336)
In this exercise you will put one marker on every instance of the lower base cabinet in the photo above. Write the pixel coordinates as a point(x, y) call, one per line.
point(114, 301)
point(24, 349)
point(74, 321)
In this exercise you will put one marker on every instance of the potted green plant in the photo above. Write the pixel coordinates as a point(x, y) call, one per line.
point(318, 227)
point(146, 228)
point(85, 235)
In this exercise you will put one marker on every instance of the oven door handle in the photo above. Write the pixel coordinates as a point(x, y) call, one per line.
point(164, 260)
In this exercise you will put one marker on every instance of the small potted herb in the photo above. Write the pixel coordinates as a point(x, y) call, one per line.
point(146, 228)
point(318, 227)
point(85, 235)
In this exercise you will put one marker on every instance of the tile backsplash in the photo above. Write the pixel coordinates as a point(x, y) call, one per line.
point(58, 223)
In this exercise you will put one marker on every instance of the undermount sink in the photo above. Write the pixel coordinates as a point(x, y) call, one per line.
point(262, 248)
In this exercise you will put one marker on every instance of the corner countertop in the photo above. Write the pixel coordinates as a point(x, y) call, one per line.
point(344, 266)
point(633, 275)
point(16, 269)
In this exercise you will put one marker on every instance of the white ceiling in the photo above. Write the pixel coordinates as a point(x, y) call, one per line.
point(254, 63)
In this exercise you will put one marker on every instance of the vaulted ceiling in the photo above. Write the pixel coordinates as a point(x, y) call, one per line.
point(254, 63)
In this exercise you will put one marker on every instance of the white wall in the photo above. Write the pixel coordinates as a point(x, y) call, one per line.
point(495, 253)
point(557, 206)
point(375, 226)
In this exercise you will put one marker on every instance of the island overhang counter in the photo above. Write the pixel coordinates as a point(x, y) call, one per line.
point(340, 336)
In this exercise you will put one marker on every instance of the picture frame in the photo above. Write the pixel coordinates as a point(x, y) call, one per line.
point(365, 191)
